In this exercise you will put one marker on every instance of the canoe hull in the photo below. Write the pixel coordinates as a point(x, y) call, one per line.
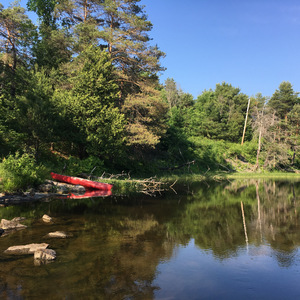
point(84, 182)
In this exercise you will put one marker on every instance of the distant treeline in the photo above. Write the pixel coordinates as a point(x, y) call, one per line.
point(81, 90)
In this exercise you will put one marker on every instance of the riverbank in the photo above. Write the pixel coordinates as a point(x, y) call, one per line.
point(126, 186)
point(217, 176)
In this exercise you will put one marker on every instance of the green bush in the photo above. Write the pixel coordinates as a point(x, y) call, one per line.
point(209, 153)
point(19, 172)
point(76, 166)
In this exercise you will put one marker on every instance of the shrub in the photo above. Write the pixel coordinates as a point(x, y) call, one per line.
point(77, 166)
point(19, 172)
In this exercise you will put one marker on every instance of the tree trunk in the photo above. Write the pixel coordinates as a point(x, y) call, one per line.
point(245, 122)
point(258, 149)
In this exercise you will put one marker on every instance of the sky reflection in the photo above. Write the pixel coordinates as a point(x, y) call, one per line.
point(256, 273)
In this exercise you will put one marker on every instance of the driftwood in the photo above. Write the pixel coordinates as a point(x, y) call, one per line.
point(148, 186)
point(104, 175)
point(178, 167)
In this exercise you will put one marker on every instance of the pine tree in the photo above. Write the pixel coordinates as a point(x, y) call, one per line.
point(88, 103)
point(121, 27)
point(124, 31)
point(283, 99)
point(17, 35)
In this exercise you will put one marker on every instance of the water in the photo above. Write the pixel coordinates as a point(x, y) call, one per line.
point(233, 240)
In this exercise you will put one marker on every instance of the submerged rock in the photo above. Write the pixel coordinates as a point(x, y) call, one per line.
point(25, 249)
point(57, 234)
point(45, 254)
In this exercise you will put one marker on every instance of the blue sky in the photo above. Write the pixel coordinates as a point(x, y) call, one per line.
point(251, 44)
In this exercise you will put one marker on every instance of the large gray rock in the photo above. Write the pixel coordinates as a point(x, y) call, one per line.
point(45, 254)
point(12, 224)
point(25, 249)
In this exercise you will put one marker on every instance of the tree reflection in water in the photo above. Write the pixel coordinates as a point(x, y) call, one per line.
point(119, 244)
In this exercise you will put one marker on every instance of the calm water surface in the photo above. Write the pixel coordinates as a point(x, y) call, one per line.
point(233, 240)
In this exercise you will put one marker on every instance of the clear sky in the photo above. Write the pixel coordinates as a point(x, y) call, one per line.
point(251, 44)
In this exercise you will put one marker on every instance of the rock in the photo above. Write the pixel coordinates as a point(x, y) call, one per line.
point(63, 189)
point(12, 224)
point(45, 254)
point(1, 231)
point(25, 249)
point(47, 219)
point(57, 234)
point(47, 188)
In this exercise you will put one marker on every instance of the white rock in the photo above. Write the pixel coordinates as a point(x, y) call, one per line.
point(57, 234)
point(45, 254)
point(47, 219)
point(12, 224)
point(25, 249)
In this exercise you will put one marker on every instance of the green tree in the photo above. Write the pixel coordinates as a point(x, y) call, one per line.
point(219, 114)
point(283, 102)
point(45, 11)
point(124, 31)
point(284, 99)
point(293, 136)
point(121, 27)
point(260, 122)
point(38, 116)
point(88, 103)
point(146, 117)
point(53, 47)
point(186, 100)
point(17, 36)
point(172, 93)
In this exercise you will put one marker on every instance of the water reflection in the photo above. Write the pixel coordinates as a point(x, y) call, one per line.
point(271, 215)
point(91, 194)
point(221, 241)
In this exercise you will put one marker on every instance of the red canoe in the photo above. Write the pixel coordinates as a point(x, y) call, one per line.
point(84, 182)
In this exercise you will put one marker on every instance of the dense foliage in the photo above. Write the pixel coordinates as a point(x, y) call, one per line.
point(84, 83)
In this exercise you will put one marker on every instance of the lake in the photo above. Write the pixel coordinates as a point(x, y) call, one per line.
point(211, 240)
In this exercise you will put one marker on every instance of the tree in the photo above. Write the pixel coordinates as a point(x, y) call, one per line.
point(53, 47)
point(284, 103)
point(88, 104)
point(172, 93)
point(232, 106)
point(17, 37)
point(10, 138)
point(121, 27)
point(186, 100)
point(283, 100)
point(124, 30)
point(146, 116)
point(293, 137)
point(219, 114)
point(45, 11)
point(260, 122)
point(37, 114)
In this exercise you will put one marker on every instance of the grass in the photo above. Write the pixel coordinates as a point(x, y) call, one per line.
point(273, 175)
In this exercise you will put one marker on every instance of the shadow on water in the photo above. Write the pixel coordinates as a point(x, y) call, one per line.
point(208, 234)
